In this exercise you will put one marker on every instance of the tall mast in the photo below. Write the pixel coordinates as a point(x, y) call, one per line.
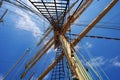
point(57, 13)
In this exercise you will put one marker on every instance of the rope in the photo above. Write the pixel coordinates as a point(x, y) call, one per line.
point(43, 64)
point(85, 74)
point(90, 65)
point(34, 69)
point(98, 26)
point(90, 55)
point(16, 75)
point(100, 37)
point(33, 47)
point(21, 59)
point(26, 52)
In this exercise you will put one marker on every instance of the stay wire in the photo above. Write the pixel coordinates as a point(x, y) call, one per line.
point(98, 37)
point(14, 66)
point(26, 6)
point(33, 47)
point(72, 16)
point(111, 19)
point(16, 75)
point(98, 26)
point(43, 64)
point(90, 55)
point(97, 74)
point(68, 67)
point(18, 61)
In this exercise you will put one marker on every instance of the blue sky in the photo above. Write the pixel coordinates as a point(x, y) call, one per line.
point(21, 30)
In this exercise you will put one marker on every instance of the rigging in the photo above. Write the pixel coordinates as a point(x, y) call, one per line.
point(1, 18)
point(60, 25)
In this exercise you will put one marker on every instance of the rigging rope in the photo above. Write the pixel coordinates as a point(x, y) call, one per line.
point(97, 74)
point(99, 26)
point(43, 64)
point(25, 53)
point(24, 56)
point(25, 7)
point(98, 37)
point(16, 75)
point(90, 55)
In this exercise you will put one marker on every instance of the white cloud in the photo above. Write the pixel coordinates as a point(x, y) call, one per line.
point(26, 23)
point(46, 77)
point(33, 78)
point(88, 45)
point(24, 20)
point(98, 61)
point(34, 0)
point(115, 61)
point(50, 50)
point(77, 47)
point(1, 77)
point(117, 64)
point(102, 61)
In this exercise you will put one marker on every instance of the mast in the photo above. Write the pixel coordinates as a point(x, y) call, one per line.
point(60, 23)
point(63, 29)
point(75, 64)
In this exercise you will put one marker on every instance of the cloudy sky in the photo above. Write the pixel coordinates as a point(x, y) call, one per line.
point(21, 29)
